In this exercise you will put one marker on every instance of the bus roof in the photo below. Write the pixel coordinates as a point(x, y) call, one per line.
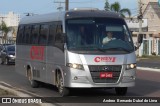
point(58, 16)
point(91, 13)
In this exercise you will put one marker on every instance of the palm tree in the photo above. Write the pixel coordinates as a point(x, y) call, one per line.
point(5, 30)
point(116, 7)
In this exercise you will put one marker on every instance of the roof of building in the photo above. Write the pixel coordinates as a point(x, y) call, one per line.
point(155, 6)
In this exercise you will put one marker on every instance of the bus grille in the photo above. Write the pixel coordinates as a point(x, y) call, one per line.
point(97, 69)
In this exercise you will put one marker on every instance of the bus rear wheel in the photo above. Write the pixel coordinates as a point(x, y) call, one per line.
point(6, 61)
point(34, 84)
point(63, 91)
point(122, 91)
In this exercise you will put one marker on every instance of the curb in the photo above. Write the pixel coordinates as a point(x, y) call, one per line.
point(148, 69)
point(18, 93)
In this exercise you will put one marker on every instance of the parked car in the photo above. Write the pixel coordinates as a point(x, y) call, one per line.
point(8, 54)
point(2, 46)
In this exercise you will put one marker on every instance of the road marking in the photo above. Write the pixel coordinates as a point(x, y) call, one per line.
point(148, 69)
point(19, 93)
point(18, 89)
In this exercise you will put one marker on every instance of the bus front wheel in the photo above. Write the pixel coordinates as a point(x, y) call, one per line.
point(34, 84)
point(121, 91)
point(63, 91)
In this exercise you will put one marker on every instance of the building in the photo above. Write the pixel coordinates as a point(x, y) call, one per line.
point(152, 13)
point(151, 32)
point(145, 3)
point(12, 20)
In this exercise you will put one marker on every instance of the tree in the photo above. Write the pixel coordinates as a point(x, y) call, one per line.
point(5, 30)
point(107, 6)
point(116, 7)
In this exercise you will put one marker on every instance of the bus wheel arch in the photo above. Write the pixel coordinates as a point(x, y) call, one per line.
point(63, 91)
point(29, 74)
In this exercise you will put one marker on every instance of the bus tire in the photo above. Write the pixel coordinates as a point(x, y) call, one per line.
point(122, 91)
point(63, 91)
point(34, 84)
point(6, 61)
point(2, 62)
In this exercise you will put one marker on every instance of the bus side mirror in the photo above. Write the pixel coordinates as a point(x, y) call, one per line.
point(139, 41)
point(60, 39)
point(63, 37)
point(140, 38)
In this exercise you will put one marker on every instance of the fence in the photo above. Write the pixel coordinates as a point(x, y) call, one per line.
point(150, 47)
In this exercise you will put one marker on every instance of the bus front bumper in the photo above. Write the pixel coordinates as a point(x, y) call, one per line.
point(81, 82)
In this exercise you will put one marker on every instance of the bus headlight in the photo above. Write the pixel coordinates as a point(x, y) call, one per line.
point(10, 56)
point(75, 66)
point(131, 66)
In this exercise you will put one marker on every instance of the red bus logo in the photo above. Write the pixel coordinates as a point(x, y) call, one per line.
point(105, 59)
point(37, 53)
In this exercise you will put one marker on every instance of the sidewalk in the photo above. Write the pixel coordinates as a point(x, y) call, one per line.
point(151, 63)
point(9, 91)
point(5, 93)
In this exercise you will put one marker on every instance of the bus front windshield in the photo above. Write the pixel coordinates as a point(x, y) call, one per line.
point(98, 34)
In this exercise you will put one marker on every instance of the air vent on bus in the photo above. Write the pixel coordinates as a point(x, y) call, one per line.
point(36, 73)
point(75, 9)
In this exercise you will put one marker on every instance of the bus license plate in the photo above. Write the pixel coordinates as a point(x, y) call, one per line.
point(106, 75)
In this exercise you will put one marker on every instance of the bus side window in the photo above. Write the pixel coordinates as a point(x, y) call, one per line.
point(20, 34)
point(58, 37)
point(27, 34)
point(43, 34)
point(23, 37)
point(34, 34)
point(51, 35)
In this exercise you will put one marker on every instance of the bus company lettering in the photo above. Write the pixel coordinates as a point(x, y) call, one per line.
point(37, 53)
point(105, 59)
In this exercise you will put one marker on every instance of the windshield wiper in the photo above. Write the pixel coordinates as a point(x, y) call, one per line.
point(121, 48)
point(102, 50)
point(93, 47)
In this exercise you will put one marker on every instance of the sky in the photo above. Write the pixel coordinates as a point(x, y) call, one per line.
point(47, 6)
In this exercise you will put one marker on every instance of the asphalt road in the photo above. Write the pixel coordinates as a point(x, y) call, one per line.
point(150, 63)
point(147, 85)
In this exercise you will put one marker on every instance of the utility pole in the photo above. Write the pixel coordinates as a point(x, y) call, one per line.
point(140, 16)
point(66, 4)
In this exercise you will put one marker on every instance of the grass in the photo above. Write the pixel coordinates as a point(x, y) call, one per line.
point(4, 93)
